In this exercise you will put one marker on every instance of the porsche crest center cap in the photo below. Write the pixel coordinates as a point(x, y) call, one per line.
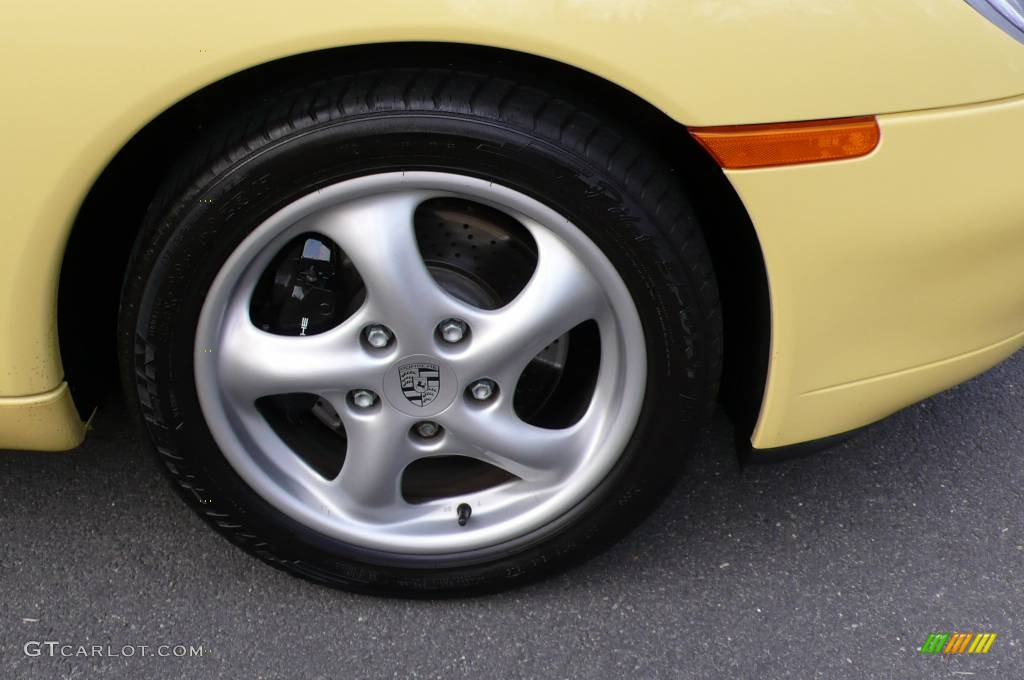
point(420, 385)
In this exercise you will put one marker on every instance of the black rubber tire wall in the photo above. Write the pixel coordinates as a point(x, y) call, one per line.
point(519, 134)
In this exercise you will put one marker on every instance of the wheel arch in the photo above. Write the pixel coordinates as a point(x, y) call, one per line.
point(104, 229)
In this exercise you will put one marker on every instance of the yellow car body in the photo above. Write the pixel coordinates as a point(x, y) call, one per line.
point(891, 276)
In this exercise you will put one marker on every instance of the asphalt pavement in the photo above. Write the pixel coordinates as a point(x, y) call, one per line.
point(834, 566)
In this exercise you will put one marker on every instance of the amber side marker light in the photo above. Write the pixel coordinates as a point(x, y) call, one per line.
point(812, 141)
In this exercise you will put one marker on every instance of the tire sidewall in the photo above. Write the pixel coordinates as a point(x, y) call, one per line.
point(171, 276)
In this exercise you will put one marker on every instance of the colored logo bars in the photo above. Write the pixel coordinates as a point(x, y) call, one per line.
point(958, 643)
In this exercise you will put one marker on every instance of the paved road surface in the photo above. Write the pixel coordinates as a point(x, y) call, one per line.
point(834, 566)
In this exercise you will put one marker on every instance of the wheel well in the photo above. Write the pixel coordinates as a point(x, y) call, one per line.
point(98, 249)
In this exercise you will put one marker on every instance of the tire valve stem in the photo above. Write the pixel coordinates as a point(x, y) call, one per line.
point(464, 512)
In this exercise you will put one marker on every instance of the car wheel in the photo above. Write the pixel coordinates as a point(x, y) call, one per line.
point(421, 332)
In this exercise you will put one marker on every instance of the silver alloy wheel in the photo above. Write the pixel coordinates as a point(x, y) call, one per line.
point(371, 219)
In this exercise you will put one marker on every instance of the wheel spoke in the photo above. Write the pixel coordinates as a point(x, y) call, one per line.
point(560, 295)
point(377, 233)
point(253, 363)
point(377, 453)
point(499, 437)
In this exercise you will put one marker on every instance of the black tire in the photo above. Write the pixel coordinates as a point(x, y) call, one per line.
point(609, 185)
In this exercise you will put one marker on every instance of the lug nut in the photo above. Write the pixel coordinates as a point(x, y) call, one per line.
point(452, 330)
point(427, 429)
point(363, 398)
point(482, 389)
point(378, 336)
